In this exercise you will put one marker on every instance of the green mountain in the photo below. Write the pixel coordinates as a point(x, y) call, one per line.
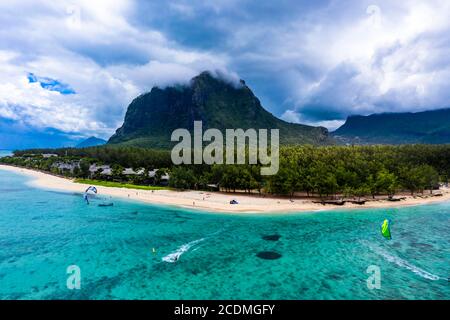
point(91, 142)
point(152, 117)
point(431, 127)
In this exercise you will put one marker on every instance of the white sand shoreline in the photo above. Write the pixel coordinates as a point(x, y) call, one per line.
point(213, 201)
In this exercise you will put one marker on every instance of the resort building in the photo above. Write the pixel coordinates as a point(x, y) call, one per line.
point(104, 169)
point(130, 171)
point(49, 155)
point(164, 178)
point(63, 166)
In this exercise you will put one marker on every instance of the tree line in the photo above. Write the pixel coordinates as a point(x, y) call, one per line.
point(357, 171)
point(129, 157)
point(326, 171)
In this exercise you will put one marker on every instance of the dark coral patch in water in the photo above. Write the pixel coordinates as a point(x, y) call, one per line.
point(424, 246)
point(268, 255)
point(272, 237)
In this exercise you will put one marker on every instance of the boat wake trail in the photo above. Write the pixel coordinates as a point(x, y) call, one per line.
point(401, 262)
point(174, 256)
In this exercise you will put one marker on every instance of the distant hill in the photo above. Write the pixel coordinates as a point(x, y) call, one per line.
point(431, 127)
point(16, 135)
point(91, 142)
point(152, 117)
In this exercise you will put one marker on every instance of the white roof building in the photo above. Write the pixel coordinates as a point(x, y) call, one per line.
point(152, 174)
point(130, 171)
point(66, 166)
point(105, 169)
point(49, 155)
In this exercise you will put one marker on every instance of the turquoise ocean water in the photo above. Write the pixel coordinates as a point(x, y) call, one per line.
point(321, 255)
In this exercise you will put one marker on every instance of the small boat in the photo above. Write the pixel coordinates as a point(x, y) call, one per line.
point(360, 202)
point(334, 202)
point(106, 204)
point(234, 202)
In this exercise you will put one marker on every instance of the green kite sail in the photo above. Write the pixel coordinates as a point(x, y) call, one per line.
point(386, 230)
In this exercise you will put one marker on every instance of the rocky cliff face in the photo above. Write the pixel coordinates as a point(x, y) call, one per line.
point(152, 117)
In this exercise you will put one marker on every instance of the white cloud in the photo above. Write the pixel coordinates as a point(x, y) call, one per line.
point(294, 117)
point(396, 61)
point(92, 47)
point(314, 63)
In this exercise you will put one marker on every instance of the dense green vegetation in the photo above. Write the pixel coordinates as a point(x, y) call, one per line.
point(152, 117)
point(358, 171)
point(131, 157)
point(117, 184)
point(326, 171)
point(397, 128)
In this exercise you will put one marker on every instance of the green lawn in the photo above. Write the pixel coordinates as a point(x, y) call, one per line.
point(118, 184)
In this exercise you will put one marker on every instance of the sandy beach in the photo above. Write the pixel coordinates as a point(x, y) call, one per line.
point(215, 201)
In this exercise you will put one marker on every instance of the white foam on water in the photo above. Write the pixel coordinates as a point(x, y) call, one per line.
point(174, 256)
point(402, 263)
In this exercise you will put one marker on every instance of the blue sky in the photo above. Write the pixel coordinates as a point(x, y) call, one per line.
point(51, 84)
point(72, 67)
